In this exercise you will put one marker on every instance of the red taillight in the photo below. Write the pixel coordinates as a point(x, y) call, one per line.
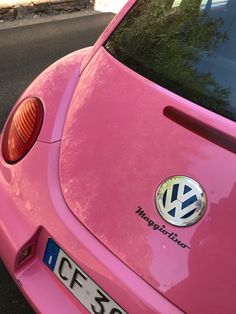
point(22, 130)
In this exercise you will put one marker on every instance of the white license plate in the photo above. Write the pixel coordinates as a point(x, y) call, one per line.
point(93, 298)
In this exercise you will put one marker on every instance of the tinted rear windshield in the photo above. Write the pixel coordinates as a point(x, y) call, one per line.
point(186, 46)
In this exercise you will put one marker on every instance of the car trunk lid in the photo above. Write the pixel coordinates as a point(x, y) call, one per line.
point(125, 135)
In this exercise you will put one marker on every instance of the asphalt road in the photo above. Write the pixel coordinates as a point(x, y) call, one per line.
point(24, 52)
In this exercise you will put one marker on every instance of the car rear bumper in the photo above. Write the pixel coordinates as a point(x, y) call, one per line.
point(32, 210)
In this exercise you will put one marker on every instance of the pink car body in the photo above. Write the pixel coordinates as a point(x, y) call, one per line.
point(107, 142)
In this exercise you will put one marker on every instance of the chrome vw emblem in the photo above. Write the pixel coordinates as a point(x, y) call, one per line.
point(181, 201)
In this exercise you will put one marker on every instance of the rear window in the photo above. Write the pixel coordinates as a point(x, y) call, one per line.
point(186, 46)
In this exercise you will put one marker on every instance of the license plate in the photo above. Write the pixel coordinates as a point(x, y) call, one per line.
point(93, 298)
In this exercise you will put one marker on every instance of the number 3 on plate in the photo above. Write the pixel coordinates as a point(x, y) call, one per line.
point(99, 309)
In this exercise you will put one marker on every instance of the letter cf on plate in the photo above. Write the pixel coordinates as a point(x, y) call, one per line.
point(181, 201)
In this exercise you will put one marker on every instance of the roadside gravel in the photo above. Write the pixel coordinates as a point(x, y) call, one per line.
point(11, 10)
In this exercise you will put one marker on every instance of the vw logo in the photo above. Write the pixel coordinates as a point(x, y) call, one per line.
point(181, 201)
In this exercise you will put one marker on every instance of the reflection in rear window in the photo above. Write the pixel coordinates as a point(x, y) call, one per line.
point(186, 46)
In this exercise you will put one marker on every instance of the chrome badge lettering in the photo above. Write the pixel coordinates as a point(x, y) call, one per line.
point(161, 228)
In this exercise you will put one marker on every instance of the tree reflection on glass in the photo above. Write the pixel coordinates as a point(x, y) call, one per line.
point(166, 40)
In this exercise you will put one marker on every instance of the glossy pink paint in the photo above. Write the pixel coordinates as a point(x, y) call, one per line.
point(117, 147)
point(32, 209)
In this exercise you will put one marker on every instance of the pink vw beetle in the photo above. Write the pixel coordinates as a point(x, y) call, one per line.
point(117, 168)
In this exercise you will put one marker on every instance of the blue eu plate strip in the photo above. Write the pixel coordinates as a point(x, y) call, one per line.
point(51, 254)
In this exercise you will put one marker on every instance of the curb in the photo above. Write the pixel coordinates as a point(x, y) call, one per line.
point(35, 8)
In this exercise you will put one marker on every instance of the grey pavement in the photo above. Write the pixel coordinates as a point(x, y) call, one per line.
point(24, 52)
